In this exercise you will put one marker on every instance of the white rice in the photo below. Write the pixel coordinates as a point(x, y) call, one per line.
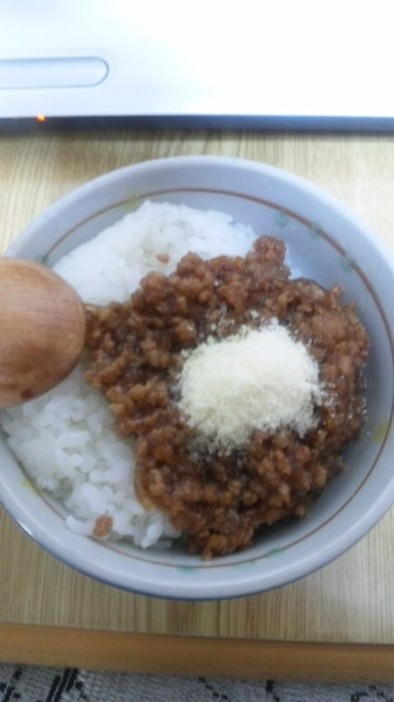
point(65, 440)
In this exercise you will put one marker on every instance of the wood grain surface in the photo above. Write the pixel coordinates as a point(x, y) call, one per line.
point(348, 602)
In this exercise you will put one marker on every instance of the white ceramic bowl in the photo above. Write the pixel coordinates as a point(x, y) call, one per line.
point(325, 243)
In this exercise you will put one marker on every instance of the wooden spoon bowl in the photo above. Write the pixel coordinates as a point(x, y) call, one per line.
point(42, 330)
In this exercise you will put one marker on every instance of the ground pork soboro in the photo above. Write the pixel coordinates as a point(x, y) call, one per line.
point(220, 498)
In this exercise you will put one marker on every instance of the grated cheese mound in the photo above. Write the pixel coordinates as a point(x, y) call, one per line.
point(255, 379)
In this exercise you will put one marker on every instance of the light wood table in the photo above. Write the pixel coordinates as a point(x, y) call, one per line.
point(337, 624)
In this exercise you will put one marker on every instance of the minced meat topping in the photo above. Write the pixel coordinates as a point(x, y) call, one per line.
point(220, 495)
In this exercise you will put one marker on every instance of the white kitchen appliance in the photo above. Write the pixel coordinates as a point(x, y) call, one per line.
point(278, 63)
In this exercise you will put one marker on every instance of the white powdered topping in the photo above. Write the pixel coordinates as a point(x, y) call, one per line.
point(256, 379)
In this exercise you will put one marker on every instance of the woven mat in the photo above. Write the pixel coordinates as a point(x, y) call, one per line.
point(29, 684)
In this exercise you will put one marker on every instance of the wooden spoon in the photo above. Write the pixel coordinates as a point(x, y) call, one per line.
point(42, 330)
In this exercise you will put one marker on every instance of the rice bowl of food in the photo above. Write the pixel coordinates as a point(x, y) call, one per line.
point(229, 427)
